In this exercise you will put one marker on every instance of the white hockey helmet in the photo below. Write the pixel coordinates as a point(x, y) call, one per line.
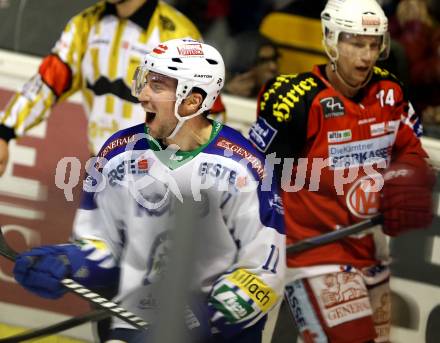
point(193, 64)
point(361, 17)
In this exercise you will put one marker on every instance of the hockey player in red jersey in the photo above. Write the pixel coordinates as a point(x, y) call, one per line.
point(348, 139)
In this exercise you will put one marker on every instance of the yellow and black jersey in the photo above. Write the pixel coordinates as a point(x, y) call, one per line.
point(97, 54)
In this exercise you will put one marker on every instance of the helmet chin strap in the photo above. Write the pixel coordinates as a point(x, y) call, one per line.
point(181, 120)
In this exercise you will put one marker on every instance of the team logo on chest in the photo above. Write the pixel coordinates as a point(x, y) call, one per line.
point(361, 200)
point(332, 107)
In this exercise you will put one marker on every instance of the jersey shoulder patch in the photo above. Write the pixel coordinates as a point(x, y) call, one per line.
point(132, 138)
point(284, 94)
point(232, 144)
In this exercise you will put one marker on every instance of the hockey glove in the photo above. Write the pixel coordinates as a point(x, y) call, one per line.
point(406, 198)
point(41, 269)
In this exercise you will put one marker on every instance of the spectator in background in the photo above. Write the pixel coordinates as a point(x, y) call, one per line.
point(96, 54)
point(389, 7)
point(300, 45)
point(224, 25)
point(265, 67)
point(417, 31)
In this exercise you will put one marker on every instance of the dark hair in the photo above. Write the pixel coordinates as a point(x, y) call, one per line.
point(263, 41)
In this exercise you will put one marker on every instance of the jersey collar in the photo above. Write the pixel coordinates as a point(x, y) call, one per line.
point(180, 157)
point(319, 70)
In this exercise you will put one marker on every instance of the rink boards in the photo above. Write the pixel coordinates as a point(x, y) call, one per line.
point(33, 210)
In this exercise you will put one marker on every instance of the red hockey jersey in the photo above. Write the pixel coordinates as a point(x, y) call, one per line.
point(330, 147)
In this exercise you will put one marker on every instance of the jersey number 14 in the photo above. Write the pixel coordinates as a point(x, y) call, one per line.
point(386, 100)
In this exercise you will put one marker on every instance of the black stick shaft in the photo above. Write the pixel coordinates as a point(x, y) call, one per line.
point(58, 327)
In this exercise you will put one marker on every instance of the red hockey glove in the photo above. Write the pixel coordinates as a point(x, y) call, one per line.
point(406, 197)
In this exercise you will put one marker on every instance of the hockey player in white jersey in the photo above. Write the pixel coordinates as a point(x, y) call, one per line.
point(122, 229)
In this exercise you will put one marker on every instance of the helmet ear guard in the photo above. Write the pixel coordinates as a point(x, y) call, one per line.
point(329, 46)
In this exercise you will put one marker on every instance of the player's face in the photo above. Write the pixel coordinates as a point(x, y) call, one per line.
point(357, 56)
point(158, 98)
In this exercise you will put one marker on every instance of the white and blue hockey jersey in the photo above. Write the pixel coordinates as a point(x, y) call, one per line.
point(129, 206)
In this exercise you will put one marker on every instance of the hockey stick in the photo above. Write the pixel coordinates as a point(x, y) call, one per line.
point(58, 327)
point(332, 236)
point(87, 294)
point(5, 249)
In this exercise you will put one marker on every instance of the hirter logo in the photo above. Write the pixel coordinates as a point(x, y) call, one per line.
point(160, 49)
point(194, 49)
